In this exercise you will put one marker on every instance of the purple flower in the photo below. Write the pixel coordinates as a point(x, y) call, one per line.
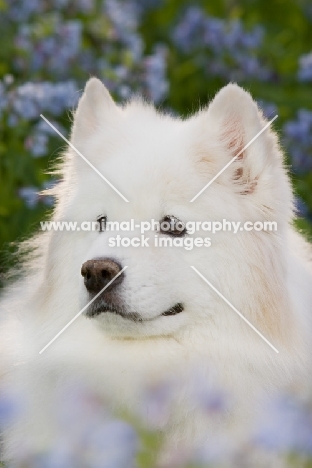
point(37, 144)
point(30, 99)
point(285, 426)
point(85, 434)
point(29, 195)
point(113, 444)
point(302, 210)
point(305, 67)
point(269, 109)
point(298, 140)
point(155, 74)
point(155, 404)
point(221, 47)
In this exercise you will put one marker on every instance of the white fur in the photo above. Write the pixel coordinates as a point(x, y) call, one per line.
point(159, 163)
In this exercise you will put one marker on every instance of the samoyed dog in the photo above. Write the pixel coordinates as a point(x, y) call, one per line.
point(153, 318)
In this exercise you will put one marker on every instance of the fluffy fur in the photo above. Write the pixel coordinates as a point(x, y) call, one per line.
point(160, 163)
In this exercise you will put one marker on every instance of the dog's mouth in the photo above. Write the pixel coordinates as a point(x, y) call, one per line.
point(100, 306)
point(176, 309)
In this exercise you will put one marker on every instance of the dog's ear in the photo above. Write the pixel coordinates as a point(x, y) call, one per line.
point(95, 108)
point(235, 120)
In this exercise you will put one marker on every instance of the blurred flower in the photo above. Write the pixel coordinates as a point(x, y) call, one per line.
point(37, 144)
point(9, 406)
point(114, 444)
point(85, 434)
point(221, 47)
point(301, 207)
point(305, 67)
point(32, 195)
point(285, 426)
point(206, 394)
point(155, 404)
point(43, 127)
point(155, 69)
point(298, 140)
point(3, 98)
point(219, 447)
point(8, 79)
point(37, 141)
point(31, 99)
point(54, 51)
point(269, 109)
point(19, 10)
point(29, 195)
point(124, 15)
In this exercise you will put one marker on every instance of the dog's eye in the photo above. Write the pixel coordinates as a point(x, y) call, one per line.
point(172, 226)
point(102, 222)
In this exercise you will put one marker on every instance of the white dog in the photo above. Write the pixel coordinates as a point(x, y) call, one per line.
point(159, 319)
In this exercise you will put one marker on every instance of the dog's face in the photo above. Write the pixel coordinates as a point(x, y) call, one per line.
point(159, 163)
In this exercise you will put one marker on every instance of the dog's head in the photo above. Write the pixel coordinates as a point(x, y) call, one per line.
point(159, 163)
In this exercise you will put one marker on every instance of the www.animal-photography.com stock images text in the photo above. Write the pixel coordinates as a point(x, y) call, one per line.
point(155, 234)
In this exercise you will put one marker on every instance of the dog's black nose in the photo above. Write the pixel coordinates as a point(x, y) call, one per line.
point(98, 273)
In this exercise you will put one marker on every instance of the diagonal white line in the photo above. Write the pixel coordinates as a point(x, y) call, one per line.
point(83, 157)
point(233, 159)
point(82, 310)
point(235, 310)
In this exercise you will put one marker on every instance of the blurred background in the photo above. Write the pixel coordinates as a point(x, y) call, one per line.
point(177, 53)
